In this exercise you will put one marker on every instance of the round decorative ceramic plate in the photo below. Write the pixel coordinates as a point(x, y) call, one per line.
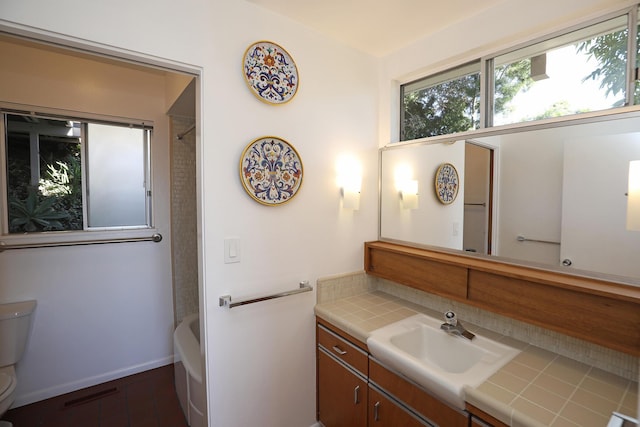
point(270, 170)
point(270, 72)
point(447, 183)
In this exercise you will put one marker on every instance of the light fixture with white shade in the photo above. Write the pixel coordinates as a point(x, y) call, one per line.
point(349, 179)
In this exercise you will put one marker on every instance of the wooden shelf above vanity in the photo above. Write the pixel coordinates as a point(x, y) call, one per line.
point(595, 310)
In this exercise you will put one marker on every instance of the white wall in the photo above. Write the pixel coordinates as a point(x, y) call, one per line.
point(104, 311)
point(260, 358)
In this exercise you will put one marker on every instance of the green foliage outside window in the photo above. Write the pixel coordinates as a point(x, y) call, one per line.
point(56, 203)
point(454, 106)
point(610, 51)
point(449, 107)
point(35, 213)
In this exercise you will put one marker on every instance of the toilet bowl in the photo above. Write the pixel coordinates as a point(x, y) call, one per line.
point(8, 384)
point(15, 324)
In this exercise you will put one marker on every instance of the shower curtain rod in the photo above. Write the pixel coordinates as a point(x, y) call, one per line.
point(182, 135)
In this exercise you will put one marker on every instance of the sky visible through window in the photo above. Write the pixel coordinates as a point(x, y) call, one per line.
point(566, 70)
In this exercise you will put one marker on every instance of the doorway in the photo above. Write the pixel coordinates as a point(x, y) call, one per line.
point(112, 283)
point(478, 198)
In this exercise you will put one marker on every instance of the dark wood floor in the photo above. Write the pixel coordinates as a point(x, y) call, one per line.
point(147, 399)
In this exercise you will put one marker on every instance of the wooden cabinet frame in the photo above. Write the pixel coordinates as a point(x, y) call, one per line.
point(595, 310)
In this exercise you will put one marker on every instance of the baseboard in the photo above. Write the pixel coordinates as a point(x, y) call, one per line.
point(36, 396)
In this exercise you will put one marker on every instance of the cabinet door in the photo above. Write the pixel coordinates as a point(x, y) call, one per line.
point(342, 395)
point(386, 413)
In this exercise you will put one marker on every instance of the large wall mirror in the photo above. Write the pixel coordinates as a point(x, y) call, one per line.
point(550, 195)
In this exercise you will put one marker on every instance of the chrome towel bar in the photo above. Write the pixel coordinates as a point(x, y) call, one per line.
point(154, 238)
point(225, 301)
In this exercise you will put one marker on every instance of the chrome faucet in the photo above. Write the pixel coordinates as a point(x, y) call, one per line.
point(453, 327)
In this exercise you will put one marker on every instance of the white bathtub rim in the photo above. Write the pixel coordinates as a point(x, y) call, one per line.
point(188, 347)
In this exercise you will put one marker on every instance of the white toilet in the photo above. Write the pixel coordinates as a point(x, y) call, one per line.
point(15, 322)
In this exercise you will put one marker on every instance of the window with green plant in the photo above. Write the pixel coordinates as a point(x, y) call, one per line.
point(448, 102)
point(67, 174)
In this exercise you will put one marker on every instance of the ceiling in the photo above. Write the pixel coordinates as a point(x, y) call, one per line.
point(377, 27)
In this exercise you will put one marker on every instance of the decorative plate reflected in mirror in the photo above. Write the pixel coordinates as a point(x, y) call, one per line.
point(447, 183)
point(270, 72)
point(270, 170)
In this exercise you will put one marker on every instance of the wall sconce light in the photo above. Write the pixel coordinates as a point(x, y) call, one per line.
point(409, 194)
point(351, 198)
point(633, 196)
point(350, 182)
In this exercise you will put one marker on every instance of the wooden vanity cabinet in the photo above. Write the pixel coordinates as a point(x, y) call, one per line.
point(342, 370)
point(355, 390)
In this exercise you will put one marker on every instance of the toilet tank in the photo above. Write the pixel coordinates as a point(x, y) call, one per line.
point(15, 321)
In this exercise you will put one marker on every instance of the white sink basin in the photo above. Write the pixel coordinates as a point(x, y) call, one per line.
point(441, 363)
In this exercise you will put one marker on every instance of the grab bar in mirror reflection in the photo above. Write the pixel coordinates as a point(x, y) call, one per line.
point(521, 238)
point(225, 301)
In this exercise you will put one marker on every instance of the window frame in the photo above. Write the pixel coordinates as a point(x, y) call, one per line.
point(87, 233)
point(487, 61)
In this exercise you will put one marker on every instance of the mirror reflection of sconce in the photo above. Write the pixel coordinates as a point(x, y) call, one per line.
point(406, 186)
point(633, 196)
point(350, 182)
point(409, 194)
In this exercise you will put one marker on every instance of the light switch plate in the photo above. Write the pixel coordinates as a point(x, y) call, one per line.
point(231, 250)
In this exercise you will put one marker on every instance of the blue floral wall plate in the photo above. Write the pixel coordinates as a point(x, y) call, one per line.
point(447, 183)
point(270, 72)
point(270, 170)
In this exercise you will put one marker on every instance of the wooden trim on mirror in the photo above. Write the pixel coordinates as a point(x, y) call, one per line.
point(595, 310)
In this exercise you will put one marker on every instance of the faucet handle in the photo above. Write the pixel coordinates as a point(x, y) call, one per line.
point(450, 318)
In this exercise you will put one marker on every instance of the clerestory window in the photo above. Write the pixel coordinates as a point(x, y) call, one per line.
point(68, 174)
point(581, 70)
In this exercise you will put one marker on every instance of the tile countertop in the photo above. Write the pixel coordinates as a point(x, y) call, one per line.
point(537, 388)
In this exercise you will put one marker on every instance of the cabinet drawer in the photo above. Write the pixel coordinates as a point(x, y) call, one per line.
point(343, 350)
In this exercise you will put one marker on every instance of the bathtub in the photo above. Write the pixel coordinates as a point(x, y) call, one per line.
point(188, 370)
